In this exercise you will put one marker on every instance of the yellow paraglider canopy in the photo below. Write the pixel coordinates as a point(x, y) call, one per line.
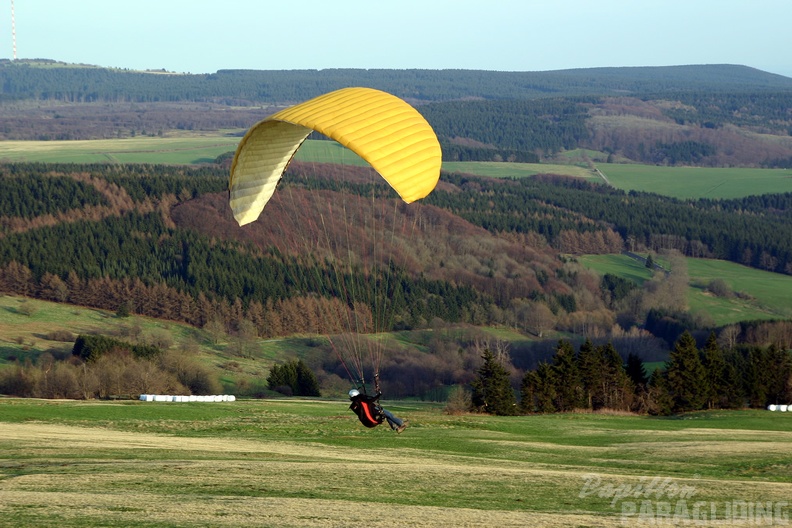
point(382, 129)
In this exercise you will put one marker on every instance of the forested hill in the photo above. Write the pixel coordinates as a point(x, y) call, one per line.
point(51, 80)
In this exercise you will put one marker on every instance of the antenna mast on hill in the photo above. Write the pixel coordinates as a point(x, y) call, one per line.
point(13, 28)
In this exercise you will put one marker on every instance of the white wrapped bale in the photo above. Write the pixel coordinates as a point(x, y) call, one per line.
point(771, 407)
point(231, 397)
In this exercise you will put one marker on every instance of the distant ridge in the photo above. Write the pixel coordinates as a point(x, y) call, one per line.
point(44, 79)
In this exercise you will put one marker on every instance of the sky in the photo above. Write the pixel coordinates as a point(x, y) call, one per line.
point(203, 36)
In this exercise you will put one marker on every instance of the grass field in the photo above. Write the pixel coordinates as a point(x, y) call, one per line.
point(310, 463)
point(175, 150)
point(192, 148)
point(698, 182)
point(516, 170)
point(765, 295)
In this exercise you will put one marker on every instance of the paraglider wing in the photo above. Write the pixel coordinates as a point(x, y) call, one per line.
point(382, 129)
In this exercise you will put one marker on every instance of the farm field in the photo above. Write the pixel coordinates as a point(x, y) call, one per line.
point(144, 149)
point(680, 182)
point(698, 182)
point(310, 463)
point(766, 295)
point(517, 170)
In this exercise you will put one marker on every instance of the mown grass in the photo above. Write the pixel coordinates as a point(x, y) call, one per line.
point(762, 295)
point(310, 463)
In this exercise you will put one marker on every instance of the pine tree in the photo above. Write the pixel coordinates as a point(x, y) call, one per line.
point(591, 370)
point(569, 389)
point(636, 370)
point(546, 388)
point(492, 390)
point(618, 388)
point(307, 385)
point(660, 400)
point(769, 370)
point(283, 378)
point(687, 378)
point(124, 309)
point(528, 392)
point(715, 365)
point(733, 396)
point(293, 378)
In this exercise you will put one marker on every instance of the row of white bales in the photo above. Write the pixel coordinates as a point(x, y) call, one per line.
point(782, 408)
point(191, 398)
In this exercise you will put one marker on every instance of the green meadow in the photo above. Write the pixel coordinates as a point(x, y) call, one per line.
point(310, 463)
point(515, 170)
point(698, 182)
point(142, 149)
point(762, 294)
point(194, 148)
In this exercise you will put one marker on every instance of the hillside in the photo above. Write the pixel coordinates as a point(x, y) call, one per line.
point(50, 80)
point(706, 115)
point(476, 251)
point(338, 254)
point(338, 264)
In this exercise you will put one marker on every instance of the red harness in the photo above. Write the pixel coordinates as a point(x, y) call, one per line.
point(369, 414)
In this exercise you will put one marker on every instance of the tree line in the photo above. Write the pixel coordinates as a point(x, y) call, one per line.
point(49, 80)
point(545, 125)
point(597, 378)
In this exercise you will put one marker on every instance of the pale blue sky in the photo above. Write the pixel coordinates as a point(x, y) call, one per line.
point(202, 36)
